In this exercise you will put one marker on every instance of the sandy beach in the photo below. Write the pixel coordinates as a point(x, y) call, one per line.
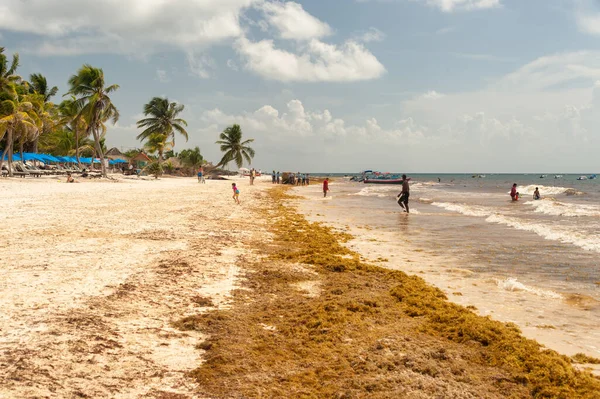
point(94, 273)
point(143, 288)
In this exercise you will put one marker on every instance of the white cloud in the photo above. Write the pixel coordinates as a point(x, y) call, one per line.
point(432, 95)
point(162, 76)
point(371, 35)
point(554, 70)
point(231, 64)
point(123, 26)
point(200, 64)
point(587, 16)
point(317, 61)
point(293, 22)
point(445, 31)
point(453, 5)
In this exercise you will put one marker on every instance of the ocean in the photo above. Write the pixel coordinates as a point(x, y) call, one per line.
point(534, 263)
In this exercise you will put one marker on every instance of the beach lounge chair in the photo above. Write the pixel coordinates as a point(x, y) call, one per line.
point(4, 171)
point(20, 167)
point(40, 172)
point(19, 173)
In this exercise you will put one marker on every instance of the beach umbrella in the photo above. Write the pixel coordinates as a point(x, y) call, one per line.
point(16, 157)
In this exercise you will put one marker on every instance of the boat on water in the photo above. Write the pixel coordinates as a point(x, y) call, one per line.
point(582, 178)
point(543, 176)
point(592, 177)
point(373, 177)
point(383, 181)
point(558, 176)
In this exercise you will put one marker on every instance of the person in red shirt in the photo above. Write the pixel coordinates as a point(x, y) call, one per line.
point(325, 186)
point(513, 193)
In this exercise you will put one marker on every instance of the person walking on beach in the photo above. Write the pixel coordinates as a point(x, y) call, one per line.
point(236, 193)
point(278, 177)
point(404, 194)
point(201, 175)
point(513, 193)
point(325, 186)
point(307, 179)
point(273, 178)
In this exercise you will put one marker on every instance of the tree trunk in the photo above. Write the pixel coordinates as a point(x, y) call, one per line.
point(21, 149)
point(9, 144)
point(77, 147)
point(35, 145)
point(99, 151)
point(3, 155)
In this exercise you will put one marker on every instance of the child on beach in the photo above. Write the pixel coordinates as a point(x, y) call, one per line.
point(236, 193)
point(325, 186)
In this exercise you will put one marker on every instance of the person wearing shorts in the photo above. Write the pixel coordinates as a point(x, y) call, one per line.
point(404, 194)
point(236, 193)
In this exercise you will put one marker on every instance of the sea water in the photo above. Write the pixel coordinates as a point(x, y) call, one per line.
point(532, 262)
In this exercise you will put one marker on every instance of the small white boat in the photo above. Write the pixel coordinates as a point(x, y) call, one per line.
point(543, 176)
point(582, 178)
point(558, 176)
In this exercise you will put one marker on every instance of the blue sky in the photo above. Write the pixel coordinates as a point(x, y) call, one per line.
point(341, 85)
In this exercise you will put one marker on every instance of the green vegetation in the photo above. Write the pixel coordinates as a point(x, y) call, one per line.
point(77, 126)
point(367, 332)
point(94, 103)
point(233, 147)
point(161, 125)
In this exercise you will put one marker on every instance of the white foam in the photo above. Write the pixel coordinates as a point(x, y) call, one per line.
point(377, 191)
point(570, 236)
point(511, 284)
point(469, 210)
point(556, 208)
point(544, 190)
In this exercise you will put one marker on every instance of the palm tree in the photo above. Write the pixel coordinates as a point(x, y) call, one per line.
point(157, 143)
point(8, 74)
point(39, 84)
point(94, 103)
point(18, 120)
point(233, 147)
point(163, 120)
point(192, 158)
point(71, 118)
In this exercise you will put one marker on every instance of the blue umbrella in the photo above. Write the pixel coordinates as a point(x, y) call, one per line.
point(16, 157)
point(51, 158)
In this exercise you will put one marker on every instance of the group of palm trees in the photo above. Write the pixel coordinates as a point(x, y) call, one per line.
point(30, 121)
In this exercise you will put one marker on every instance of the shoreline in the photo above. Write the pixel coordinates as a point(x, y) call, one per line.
point(392, 250)
point(320, 322)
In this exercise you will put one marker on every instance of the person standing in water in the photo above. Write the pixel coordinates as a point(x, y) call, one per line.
point(325, 186)
point(536, 194)
point(236, 193)
point(513, 193)
point(404, 194)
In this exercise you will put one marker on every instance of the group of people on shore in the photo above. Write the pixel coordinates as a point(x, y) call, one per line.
point(295, 179)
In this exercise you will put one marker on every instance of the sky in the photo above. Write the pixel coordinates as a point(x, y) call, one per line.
point(430, 86)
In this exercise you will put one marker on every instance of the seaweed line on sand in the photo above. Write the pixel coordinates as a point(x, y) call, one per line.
point(371, 332)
